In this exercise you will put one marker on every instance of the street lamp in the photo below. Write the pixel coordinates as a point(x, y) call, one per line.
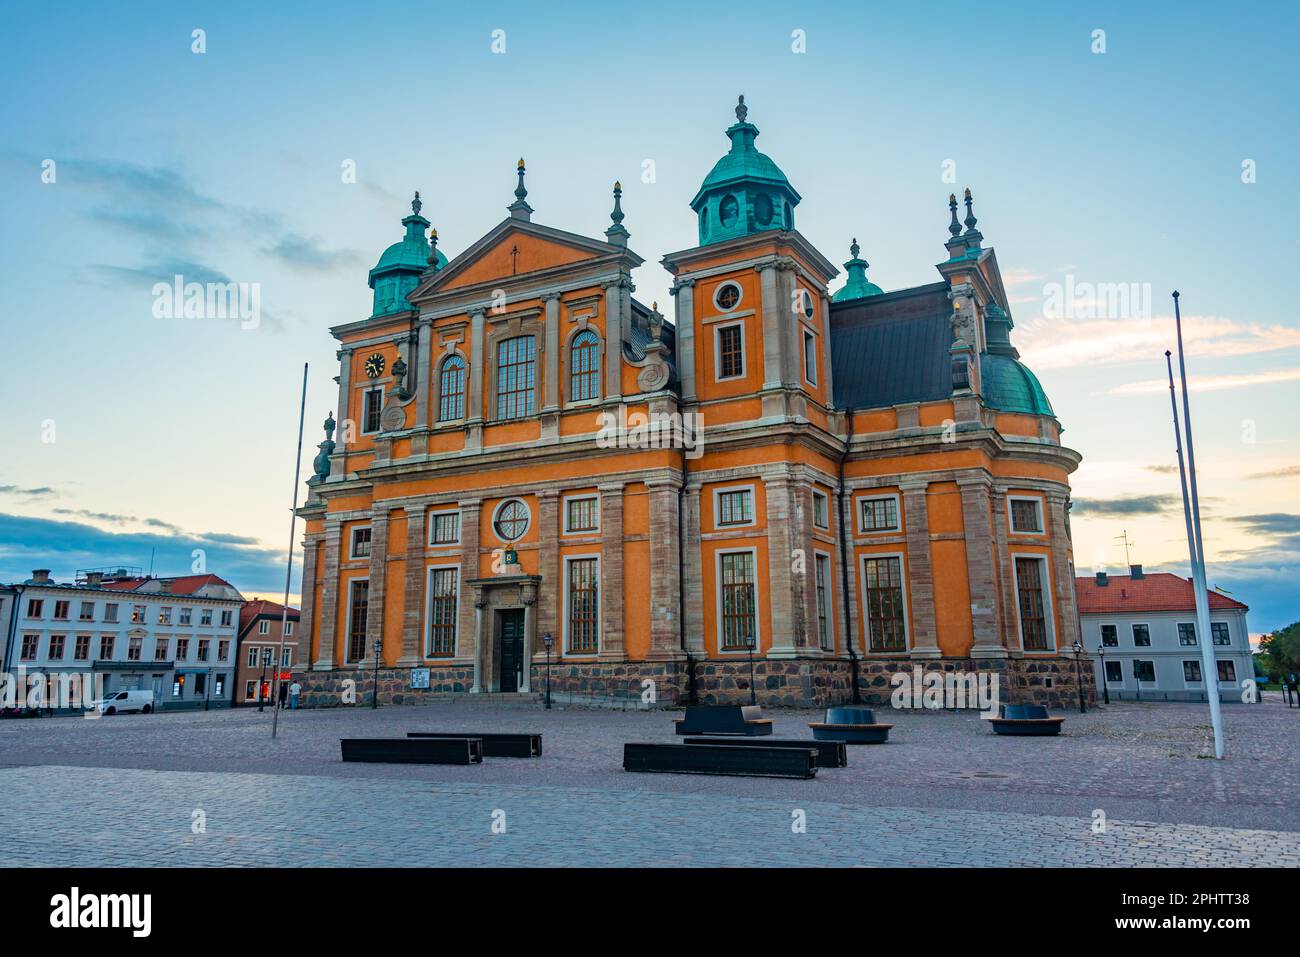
point(261, 682)
point(548, 640)
point(379, 646)
point(751, 642)
point(1078, 675)
point(1105, 684)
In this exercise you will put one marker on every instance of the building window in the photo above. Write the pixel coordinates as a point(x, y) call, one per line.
point(738, 598)
point(822, 566)
point(287, 629)
point(1114, 672)
point(61, 610)
point(1141, 636)
point(805, 301)
point(1187, 633)
point(731, 351)
point(809, 357)
point(444, 607)
point(182, 649)
point(727, 296)
point(1032, 604)
point(35, 607)
point(1144, 670)
point(160, 650)
point(164, 616)
point(186, 615)
point(227, 618)
point(880, 514)
point(516, 377)
point(134, 646)
point(1227, 671)
point(1191, 671)
point(584, 366)
point(1110, 636)
point(1026, 516)
point(372, 405)
point(451, 389)
point(219, 685)
point(735, 507)
point(110, 613)
point(56, 647)
point(250, 690)
point(728, 210)
point(511, 521)
point(204, 646)
point(821, 510)
point(31, 643)
point(178, 686)
point(358, 607)
point(263, 627)
point(885, 608)
point(82, 650)
point(106, 643)
point(87, 611)
point(252, 656)
point(286, 657)
point(1219, 633)
point(581, 514)
point(360, 542)
point(138, 613)
point(205, 617)
point(223, 650)
point(582, 614)
point(445, 529)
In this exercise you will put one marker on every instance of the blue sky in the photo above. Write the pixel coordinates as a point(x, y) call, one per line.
point(1115, 167)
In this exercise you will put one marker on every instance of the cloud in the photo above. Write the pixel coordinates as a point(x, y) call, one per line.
point(1288, 471)
point(1161, 469)
point(301, 252)
point(1272, 523)
point(42, 491)
point(1210, 383)
point(1126, 505)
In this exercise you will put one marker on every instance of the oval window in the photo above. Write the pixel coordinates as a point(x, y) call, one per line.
point(511, 520)
point(727, 297)
point(806, 303)
point(728, 210)
point(763, 209)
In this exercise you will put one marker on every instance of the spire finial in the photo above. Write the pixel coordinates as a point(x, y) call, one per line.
point(854, 248)
point(742, 110)
point(954, 227)
point(617, 233)
point(520, 209)
point(416, 205)
point(617, 214)
point(520, 190)
point(970, 214)
point(433, 248)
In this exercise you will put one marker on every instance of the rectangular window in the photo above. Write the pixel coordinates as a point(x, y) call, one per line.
point(809, 357)
point(61, 610)
point(263, 627)
point(186, 615)
point(286, 657)
point(178, 686)
point(287, 629)
point(883, 591)
point(252, 656)
point(1144, 670)
point(1219, 633)
point(56, 647)
point(444, 608)
point(205, 646)
point(360, 542)
point(1187, 633)
point(731, 352)
point(516, 377)
point(218, 685)
point(106, 647)
point(1026, 516)
point(880, 514)
point(359, 605)
point(1110, 636)
point(821, 510)
point(223, 650)
point(1033, 606)
point(35, 607)
point(445, 529)
point(735, 507)
point(82, 650)
point(227, 618)
point(1191, 671)
point(87, 611)
point(205, 617)
point(1114, 672)
point(1227, 671)
point(822, 564)
point(160, 649)
point(164, 616)
point(372, 405)
point(110, 613)
point(582, 514)
point(31, 643)
point(138, 613)
point(739, 600)
point(182, 649)
point(583, 606)
point(1141, 636)
point(250, 690)
point(134, 645)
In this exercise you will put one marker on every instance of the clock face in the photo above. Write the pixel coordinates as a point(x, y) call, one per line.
point(375, 366)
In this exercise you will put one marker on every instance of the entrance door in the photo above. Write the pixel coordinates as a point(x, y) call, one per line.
point(512, 648)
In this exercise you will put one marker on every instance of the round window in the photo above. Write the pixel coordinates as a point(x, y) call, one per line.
point(727, 296)
point(728, 210)
point(763, 209)
point(511, 520)
point(806, 303)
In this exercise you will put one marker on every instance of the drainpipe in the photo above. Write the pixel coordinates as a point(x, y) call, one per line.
point(844, 565)
point(692, 696)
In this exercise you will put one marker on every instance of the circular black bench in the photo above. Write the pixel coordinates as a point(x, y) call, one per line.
point(851, 724)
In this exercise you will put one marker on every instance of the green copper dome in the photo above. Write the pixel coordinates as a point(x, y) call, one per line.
point(858, 286)
point(399, 269)
point(745, 192)
point(1009, 386)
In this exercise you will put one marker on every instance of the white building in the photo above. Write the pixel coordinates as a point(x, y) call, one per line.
point(175, 636)
point(1141, 631)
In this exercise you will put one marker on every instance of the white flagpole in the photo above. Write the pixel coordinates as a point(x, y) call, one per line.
point(1196, 545)
point(288, 571)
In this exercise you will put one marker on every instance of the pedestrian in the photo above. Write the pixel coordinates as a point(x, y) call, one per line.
point(283, 694)
point(295, 689)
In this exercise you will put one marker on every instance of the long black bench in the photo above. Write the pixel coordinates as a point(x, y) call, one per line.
point(413, 750)
point(724, 719)
point(494, 745)
point(1026, 720)
point(721, 759)
point(830, 754)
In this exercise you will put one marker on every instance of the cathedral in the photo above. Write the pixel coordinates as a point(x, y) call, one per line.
point(871, 481)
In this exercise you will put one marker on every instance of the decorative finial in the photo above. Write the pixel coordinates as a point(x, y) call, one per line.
point(520, 209)
point(617, 233)
point(433, 248)
point(617, 214)
point(970, 215)
point(416, 205)
point(854, 248)
point(655, 305)
point(742, 110)
point(954, 227)
point(520, 191)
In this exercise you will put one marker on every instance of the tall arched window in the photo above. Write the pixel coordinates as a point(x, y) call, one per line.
point(451, 389)
point(584, 366)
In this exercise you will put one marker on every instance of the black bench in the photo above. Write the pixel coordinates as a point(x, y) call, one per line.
point(721, 759)
point(1025, 720)
point(724, 719)
point(830, 754)
point(413, 750)
point(494, 745)
point(852, 724)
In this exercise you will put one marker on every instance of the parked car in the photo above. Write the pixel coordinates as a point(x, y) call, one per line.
point(124, 701)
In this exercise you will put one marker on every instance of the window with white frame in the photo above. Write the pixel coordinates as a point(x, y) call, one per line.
point(35, 607)
point(582, 605)
point(372, 406)
point(444, 528)
point(107, 646)
point(511, 520)
point(360, 542)
point(252, 656)
point(1227, 671)
point(160, 648)
point(1110, 636)
point(227, 618)
point(56, 647)
point(81, 651)
point(581, 514)
point(1144, 670)
point(205, 617)
point(187, 614)
point(110, 613)
point(31, 645)
point(444, 606)
point(288, 628)
point(1033, 603)
point(62, 610)
point(263, 627)
point(729, 348)
point(1219, 633)
point(584, 366)
point(1141, 636)
point(138, 613)
point(734, 506)
point(451, 389)
point(182, 649)
point(822, 567)
point(516, 377)
point(1114, 672)
point(286, 657)
point(878, 513)
point(165, 615)
point(1026, 515)
point(821, 510)
point(87, 611)
point(1192, 672)
point(1187, 633)
point(223, 650)
point(727, 296)
point(884, 602)
point(809, 357)
point(134, 644)
point(737, 600)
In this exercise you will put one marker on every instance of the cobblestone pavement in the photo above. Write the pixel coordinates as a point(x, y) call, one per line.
point(945, 791)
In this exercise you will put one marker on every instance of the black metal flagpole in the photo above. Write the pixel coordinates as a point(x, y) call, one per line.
point(288, 571)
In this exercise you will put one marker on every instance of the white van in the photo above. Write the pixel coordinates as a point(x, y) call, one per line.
point(123, 701)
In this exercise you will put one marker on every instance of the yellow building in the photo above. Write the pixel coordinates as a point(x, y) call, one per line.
point(846, 485)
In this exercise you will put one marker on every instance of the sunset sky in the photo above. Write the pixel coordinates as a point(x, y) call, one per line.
point(128, 435)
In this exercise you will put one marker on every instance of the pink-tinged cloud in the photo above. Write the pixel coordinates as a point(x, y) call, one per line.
point(1210, 383)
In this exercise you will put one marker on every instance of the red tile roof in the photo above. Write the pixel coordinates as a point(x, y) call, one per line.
point(185, 585)
point(252, 609)
point(1156, 591)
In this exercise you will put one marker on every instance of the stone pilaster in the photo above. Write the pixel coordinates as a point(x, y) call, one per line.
point(614, 319)
point(478, 361)
point(773, 313)
point(684, 292)
point(339, 460)
point(844, 525)
point(981, 568)
point(467, 630)
point(806, 639)
point(824, 359)
point(548, 566)
point(785, 587)
point(693, 570)
point(611, 571)
point(1062, 571)
point(424, 372)
point(326, 656)
point(1006, 582)
point(378, 581)
point(551, 359)
point(919, 573)
point(413, 592)
point(665, 572)
point(307, 612)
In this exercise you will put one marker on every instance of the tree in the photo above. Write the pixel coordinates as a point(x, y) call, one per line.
point(1279, 652)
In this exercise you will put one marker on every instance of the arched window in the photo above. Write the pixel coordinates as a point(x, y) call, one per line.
point(584, 366)
point(728, 210)
point(451, 389)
